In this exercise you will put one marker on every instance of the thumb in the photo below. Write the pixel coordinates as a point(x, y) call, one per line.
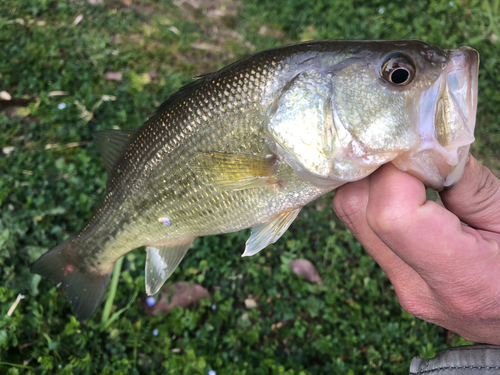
point(475, 199)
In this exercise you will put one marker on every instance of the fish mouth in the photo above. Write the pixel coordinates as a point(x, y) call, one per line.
point(458, 92)
point(446, 120)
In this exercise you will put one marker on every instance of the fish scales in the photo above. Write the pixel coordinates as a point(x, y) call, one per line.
point(169, 167)
point(242, 90)
point(249, 145)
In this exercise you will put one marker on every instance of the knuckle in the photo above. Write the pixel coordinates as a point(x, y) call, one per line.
point(413, 307)
point(350, 209)
point(384, 218)
point(418, 306)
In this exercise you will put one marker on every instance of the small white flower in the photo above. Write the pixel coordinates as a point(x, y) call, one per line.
point(381, 10)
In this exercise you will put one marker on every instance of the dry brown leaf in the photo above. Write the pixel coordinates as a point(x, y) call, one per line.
point(207, 47)
point(174, 29)
point(264, 30)
point(5, 95)
point(181, 294)
point(321, 206)
point(58, 93)
point(250, 303)
point(275, 327)
point(57, 146)
point(17, 20)
point(14, 305)
point(113, 76)
point(77, 20)
point(303, 267)
point(7, 150)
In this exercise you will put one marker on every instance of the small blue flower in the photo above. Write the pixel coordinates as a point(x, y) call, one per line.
point(211, 372)
point(61, 105)
point(155, 332)
point(214, 307)
point(126, 70)
point(150, 301)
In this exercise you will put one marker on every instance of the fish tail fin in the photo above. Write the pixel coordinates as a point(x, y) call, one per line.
point(84, 289)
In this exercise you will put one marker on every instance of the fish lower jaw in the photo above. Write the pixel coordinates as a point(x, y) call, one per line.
point(449, 156)
point(436, 167)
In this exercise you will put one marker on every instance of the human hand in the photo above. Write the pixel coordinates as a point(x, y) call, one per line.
point(442, 271)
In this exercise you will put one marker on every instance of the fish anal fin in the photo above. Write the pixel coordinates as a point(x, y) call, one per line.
point(269, 232)
point(111, 144)
point(236, 171)
point(161, 261)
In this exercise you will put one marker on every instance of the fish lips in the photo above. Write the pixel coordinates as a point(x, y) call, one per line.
point(445, 122)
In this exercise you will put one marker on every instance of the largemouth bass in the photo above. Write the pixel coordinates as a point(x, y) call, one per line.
point(249, 145)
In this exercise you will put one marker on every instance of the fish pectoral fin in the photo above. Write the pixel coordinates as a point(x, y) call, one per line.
point(162, 261)
point(236, 171)
point(111, 144)
point(269, 232)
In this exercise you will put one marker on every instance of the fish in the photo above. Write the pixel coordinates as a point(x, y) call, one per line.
point(249, 145)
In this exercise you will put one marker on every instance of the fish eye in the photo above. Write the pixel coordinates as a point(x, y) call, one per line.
point(398, 70)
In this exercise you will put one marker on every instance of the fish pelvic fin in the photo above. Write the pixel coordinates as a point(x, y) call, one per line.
point(84, 289)
point(269, 232)
point(161, 261)
point(236, 171)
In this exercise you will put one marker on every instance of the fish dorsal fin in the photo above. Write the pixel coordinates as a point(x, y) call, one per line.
point(161, 262)
point(111, 144)
point(236, 171)
point(268, 233)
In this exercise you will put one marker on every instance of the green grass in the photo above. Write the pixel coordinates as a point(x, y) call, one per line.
point(352, 324)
